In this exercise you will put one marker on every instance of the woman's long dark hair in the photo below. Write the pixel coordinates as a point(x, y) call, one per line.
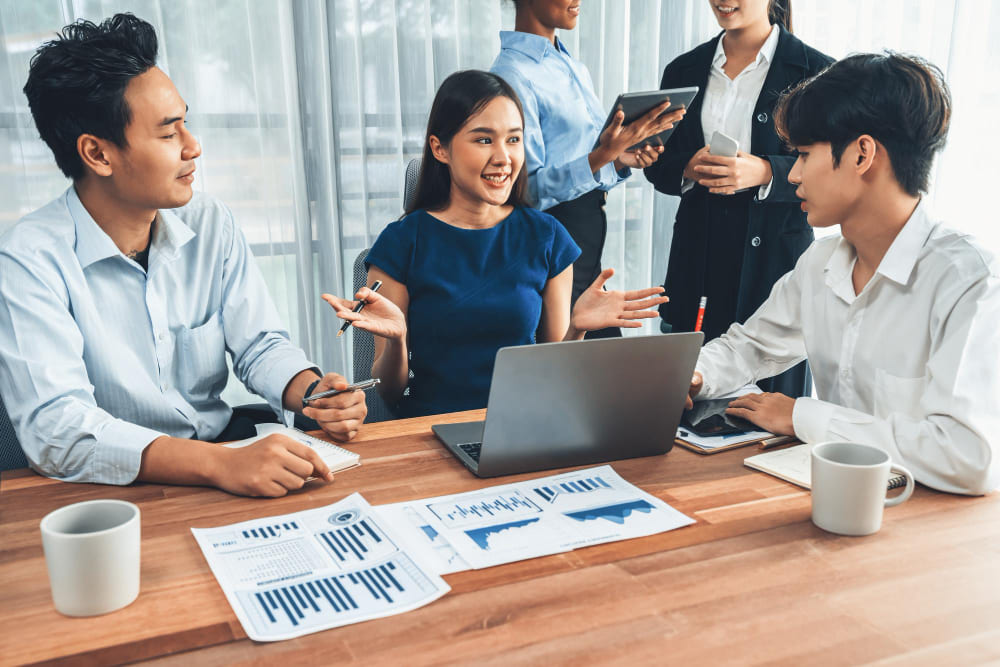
point(780, 12)
point(461, 96)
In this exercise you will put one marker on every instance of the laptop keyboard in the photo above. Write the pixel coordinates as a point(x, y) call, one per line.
point(472, 449)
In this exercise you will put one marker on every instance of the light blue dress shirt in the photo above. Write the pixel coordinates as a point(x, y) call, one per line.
point(562, 118)
point(98, 358)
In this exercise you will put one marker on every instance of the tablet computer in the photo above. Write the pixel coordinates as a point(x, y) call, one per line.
point(636, 104)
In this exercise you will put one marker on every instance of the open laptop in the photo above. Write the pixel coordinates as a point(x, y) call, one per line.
point(555, 405)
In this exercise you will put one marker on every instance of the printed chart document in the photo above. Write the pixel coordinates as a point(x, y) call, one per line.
point(290, 575)
point(511, 522)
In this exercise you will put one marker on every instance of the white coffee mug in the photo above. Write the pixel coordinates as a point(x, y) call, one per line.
point(849, 483)
point(92, 554)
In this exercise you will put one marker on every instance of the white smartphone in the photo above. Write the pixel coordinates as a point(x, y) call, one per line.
point(723, 145)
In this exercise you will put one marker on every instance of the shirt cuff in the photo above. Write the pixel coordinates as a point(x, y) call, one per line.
point(117, 456)
point(686, 184)
point(811, 419)
point(277, 378)
point(765, 190)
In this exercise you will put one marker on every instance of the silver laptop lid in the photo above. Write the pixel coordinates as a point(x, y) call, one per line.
point(564, 404)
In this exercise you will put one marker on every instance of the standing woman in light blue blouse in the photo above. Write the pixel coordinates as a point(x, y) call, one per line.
point(568, 177)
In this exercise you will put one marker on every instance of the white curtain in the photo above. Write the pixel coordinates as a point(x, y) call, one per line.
point(308, 111)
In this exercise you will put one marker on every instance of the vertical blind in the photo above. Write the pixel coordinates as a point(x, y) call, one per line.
point(308, 111)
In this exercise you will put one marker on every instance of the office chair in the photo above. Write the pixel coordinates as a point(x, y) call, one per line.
point(364, 342)
point(11, 454)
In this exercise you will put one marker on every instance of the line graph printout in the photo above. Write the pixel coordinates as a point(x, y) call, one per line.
point(286, 576)
point(548, 515)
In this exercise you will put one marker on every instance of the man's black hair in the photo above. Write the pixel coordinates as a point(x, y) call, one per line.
point(901, 101)
point(76, 83)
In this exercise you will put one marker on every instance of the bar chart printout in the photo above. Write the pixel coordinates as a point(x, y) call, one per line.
point(331, 566)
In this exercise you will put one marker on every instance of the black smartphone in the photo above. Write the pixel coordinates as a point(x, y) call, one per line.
point(709, 418)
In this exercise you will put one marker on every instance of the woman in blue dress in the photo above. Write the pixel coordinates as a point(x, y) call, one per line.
point(471, 268)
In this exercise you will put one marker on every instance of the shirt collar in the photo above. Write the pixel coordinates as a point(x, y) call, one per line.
point(898, 262)
point(93, 244)
point(765, 54)
point(533, 46)
point(902, 255)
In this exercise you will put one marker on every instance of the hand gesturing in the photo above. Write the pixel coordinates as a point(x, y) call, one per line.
point(380, 316)
point(597, 308)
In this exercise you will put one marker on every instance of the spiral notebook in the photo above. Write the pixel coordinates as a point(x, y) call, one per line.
point(795, 465)
point(336, 457)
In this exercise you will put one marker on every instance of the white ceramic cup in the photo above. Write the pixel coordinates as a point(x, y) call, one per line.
point(849, 487)
point(92, 554)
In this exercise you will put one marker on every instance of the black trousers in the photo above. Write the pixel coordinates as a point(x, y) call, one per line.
point(243, 423)
point(725, 233)
point(587, 223)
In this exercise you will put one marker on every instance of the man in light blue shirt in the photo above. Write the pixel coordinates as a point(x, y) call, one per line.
point(122, 297)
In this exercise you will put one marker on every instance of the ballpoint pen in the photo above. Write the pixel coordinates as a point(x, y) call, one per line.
point(358, 308)
point(360, 386)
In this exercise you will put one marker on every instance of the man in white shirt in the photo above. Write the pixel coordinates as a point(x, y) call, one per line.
point(122, 297)
point(899, 317)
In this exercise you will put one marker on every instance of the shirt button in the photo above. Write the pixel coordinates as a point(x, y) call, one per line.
point(165, 386)
point(762, 117)
point(755, 241)
point(160, 336)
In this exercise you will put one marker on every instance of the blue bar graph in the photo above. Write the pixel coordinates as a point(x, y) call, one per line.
point(582, 485)
point(356, 543)
point(485, 506)
point(269, 532)
point(321, 600)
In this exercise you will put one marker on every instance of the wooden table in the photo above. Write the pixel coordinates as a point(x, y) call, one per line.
point(752, 582)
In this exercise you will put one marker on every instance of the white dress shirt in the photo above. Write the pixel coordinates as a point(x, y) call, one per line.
point(98, 358)
point(911, 364)
point(729, 103)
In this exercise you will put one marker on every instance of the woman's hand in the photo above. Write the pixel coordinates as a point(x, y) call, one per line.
point(725, 175)
point(696, 160)
point(380, 315)
point(640, 158)
point(598, 309)
point(616, 138)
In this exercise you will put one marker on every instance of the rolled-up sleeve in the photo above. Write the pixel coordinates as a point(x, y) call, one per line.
point(46, 388)
point(264, 358)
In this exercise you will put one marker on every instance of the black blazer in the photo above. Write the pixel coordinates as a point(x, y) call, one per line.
point(777, 232)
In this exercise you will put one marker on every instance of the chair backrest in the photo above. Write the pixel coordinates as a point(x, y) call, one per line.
point(364, 342)
point(364, 351)
point(410, 181)
point(11, 454)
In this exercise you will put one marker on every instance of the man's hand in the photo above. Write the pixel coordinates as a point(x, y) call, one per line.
point(771, 412)
point(339, 416)
point(697, 382)
point(271, 467)
point(725, 175)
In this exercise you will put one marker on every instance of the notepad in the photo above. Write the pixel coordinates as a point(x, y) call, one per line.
point(795, 465)
point(337, 458)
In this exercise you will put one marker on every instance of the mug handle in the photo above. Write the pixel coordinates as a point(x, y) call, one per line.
point(907, 492)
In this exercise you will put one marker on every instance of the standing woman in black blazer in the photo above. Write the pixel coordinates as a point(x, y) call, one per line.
point(739, 226)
